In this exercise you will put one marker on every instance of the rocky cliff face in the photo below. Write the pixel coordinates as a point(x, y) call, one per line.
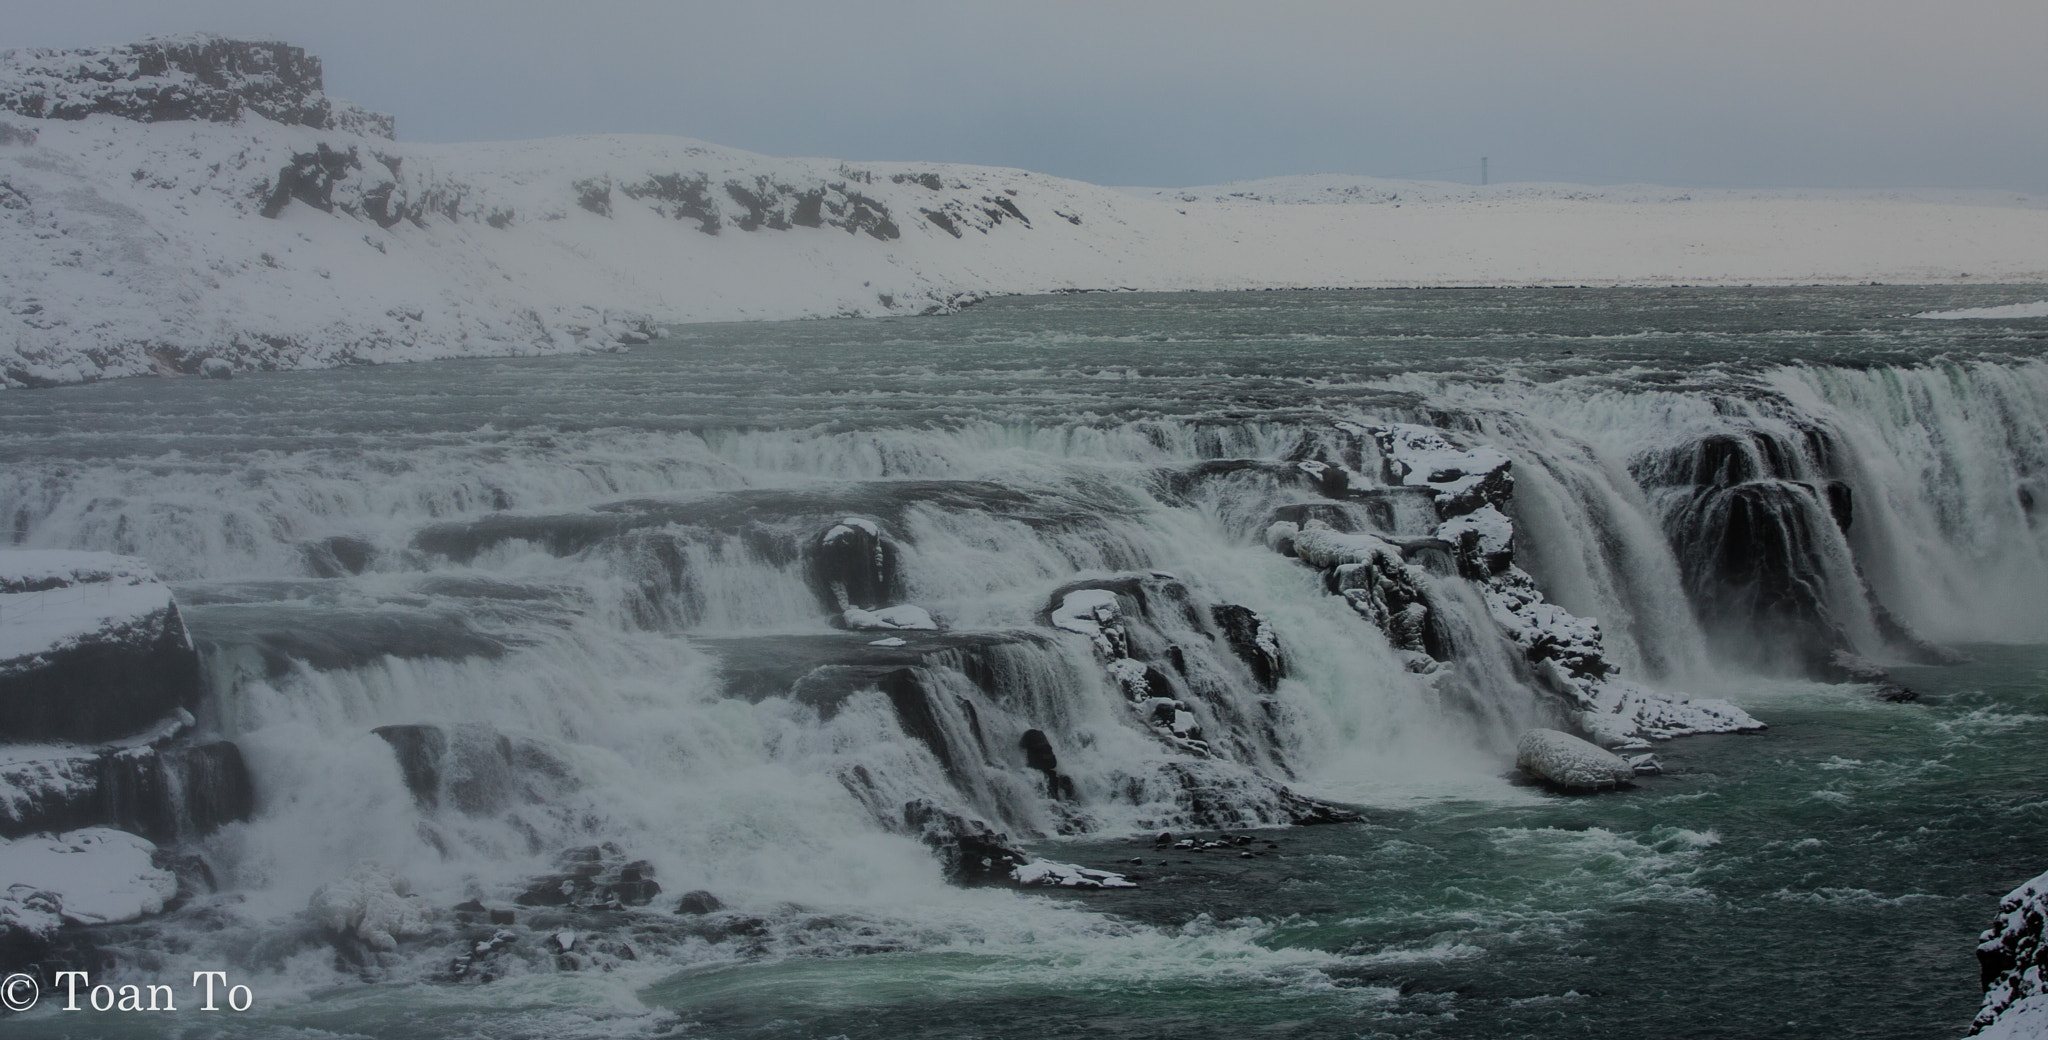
point(164, 79)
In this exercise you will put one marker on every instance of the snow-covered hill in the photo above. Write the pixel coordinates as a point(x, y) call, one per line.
point(149, 223)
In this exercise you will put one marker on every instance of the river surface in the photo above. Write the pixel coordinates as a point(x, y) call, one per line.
point(594, 556)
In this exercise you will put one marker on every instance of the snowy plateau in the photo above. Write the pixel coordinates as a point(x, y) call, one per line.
point(197, 205)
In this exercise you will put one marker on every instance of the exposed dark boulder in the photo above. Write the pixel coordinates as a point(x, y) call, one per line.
point(970, 850)
point(853, 565)
point(593, 877)
point(699, 902)
point(1039, 755)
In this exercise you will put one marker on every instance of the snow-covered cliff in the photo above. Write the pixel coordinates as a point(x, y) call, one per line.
point(180, 201)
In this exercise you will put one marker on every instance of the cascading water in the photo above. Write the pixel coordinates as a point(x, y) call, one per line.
point(809, 654)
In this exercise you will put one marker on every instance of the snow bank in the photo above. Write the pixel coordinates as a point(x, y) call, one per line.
point(90, 876)
point(45, 622)
point(1569, 762)
point(2037, 309)
point(286, 240)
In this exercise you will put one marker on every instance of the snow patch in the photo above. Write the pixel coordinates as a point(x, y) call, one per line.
point(51, 601)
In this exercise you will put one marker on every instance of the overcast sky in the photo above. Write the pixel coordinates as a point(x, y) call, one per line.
point(1711, 93)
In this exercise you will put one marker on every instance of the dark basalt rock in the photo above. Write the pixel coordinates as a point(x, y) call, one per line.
point(475, 769)
point(593, 877)
point(206, 78)
point(1252, 638)
point(699, 903)
point(1323, 479)
point(1039, 755)
point(310, 178)
point(854, 565)
point(139, 672)
point(972, 852)
point(1212, 799)
point(339, 556)
point(763, 203)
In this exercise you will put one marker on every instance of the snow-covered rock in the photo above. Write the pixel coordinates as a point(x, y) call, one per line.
point(157, 785)
point(1093, 613)
point(1464, 480)
point(2013, 961)
point(1569, 762)
point(372, 906)
point(95, 875)
point(904, 617)
point(1623, 714)
point(146, 237)
point(91, 648)
point(1066, 875)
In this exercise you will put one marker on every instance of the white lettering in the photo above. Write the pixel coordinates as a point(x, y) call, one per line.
point(209, 976)
point(70, 980)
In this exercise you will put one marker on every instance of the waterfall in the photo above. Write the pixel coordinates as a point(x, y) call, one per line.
point(461, 653)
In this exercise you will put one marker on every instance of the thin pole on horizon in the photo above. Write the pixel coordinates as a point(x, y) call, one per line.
point(1482, 171)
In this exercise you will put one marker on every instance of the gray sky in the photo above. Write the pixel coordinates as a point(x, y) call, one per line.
point(1711, 93)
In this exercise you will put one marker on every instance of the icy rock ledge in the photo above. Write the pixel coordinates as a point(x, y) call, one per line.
point(904, 617)
point(1571, 763)
point(96, 875)
point(1066, 875)
point(92, 648)
point(2014, 963)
